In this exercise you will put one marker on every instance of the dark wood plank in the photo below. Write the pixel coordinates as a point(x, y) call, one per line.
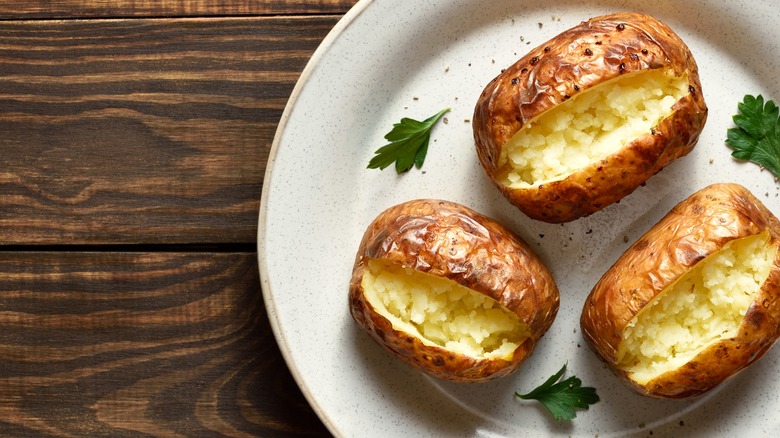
point(141, 344)
point(166, 8)
point(142, 131)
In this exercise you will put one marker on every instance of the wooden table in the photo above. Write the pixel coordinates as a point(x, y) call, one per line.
point(134, 137)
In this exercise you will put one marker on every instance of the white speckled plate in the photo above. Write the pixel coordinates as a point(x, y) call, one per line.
point(388, 59)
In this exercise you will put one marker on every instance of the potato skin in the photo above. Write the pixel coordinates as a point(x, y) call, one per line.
point(452, 241)
point(694, 229)
point(578, 59)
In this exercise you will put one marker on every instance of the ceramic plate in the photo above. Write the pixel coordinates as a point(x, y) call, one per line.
point(388, 59)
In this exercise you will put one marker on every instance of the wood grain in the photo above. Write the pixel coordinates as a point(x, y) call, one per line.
point(162, 8)
point(141, 344)
point(142, 131)
point(134, 143)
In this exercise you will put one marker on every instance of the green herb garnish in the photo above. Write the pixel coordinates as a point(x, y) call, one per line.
point(561, 398)
point(408, 144)
point(757, 136)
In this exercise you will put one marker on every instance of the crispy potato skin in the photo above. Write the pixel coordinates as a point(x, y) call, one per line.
point(694, 229)
point(452, 241)
point(578, 59)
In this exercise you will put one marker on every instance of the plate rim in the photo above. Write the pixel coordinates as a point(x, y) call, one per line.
point(270, 307)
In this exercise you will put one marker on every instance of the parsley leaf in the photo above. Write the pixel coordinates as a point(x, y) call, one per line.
point(757, 135)
point(408, 144)
point(561, 398)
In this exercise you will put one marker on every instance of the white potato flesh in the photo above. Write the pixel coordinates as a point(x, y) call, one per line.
point(703, 306)
point(441, 312)
point(589, 127)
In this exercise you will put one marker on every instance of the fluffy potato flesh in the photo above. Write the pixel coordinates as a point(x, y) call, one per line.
point(441, 312)
point(592, 125)
point(705, 305)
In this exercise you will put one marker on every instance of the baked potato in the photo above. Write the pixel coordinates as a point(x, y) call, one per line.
point(694, 300)
point(584, 119)
point(450, 291)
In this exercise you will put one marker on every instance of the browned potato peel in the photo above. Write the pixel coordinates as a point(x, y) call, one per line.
point(696, 235)
point(594, 54)
point(447, 243)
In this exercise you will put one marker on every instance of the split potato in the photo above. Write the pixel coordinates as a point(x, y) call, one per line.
point(584, 119)
point(450, 291)
point(694, 300)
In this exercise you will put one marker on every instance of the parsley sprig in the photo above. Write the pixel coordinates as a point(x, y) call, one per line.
point(408, 144)
point(757, 135)
point(561, 398)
